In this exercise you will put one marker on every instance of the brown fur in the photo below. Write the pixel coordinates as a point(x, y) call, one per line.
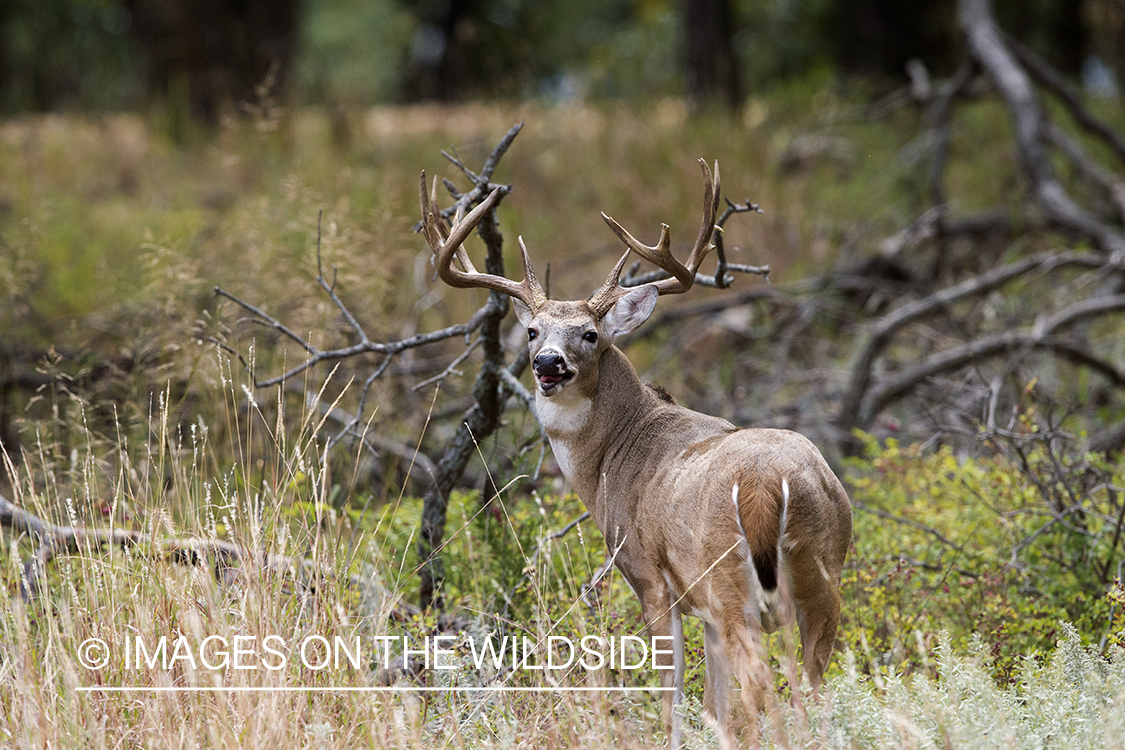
point(759, 510)
point(661, 393)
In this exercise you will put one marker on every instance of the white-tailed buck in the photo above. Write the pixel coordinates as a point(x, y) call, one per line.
point(745, 529)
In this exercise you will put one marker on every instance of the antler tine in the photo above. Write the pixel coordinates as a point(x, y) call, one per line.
point(606, 297)
point(660, 254)
point(445, 244)
point(530, 280)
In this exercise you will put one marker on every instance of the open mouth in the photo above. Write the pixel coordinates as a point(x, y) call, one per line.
point(550, 382)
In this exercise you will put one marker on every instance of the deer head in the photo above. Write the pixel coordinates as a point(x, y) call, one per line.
point(567, 339)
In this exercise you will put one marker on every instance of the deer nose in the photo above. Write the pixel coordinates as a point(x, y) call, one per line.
point(549, 363)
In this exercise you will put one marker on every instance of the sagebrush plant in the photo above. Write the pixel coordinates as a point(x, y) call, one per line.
point(1075, 699)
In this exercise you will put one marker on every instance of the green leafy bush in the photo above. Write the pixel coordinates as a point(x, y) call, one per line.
point(1002, 546)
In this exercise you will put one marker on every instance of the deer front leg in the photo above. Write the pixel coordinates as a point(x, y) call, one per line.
point(716, 687)
point(664, 620)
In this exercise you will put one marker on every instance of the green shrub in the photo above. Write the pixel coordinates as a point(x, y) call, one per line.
point(990, 546)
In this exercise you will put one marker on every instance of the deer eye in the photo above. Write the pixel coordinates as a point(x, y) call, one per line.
point(591, 336)
point(532, 334)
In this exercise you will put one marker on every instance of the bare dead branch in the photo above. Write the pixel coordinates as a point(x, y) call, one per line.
point(54, 539)
point(497, 154)
point(901, 383)
point(517, 388)
point(331, 289)
point(722, 280)
point(364, 347)
point(451, 369)
point(263, 318)
point(529, 569)
point(1047, 76)
point(915, 563)
point(1109, 440)
point(482, 419)
point(879, 512)
point(1112, 493)
point(852, 414)
point(1014, 85)
point(1112, 184)
point(940, 114)
point(922, 228)
point(419, 466)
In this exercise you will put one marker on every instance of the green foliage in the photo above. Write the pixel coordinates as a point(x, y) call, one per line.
point(353, 51)
point(978, 547)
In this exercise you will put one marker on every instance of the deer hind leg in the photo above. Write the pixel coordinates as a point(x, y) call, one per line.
point(818, 615)
point(740, 643)
point(716, 686)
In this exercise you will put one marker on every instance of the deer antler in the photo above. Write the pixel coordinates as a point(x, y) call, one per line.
point(683, 275)
point(606, 297)
point(446, 242)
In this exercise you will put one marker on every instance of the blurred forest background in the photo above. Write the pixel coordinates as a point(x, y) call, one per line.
point(942, 195)
point(104, 55)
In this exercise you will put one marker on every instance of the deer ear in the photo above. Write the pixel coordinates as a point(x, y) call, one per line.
point(523, 312)
point(631, 311)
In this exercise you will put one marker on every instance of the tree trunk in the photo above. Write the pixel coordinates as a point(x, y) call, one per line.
point(710, 63)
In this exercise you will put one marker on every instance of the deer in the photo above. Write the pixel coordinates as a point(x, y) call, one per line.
point(745, 529)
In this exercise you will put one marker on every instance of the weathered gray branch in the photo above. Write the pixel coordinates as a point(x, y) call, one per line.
point(366, 346)
point(1041, 336)
point(490, 398)
point(53, 539)
point(1014, 85)
point(1111, 183)
point(852, 413)
point(1047, 76)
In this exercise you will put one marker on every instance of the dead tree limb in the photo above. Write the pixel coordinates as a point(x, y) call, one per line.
point(1109, 182)
point(1014, 85)
point(940, 114)
point(1109, 440)
point(419, 466)
point(225, 557)
point(1041, 336)
point(494, 384)
point(490, 391)
point(366, 346)
point(853, 412)
point(1048, 77)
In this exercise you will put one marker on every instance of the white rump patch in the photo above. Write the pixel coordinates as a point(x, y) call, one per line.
point(784, 507)
point(737, 518)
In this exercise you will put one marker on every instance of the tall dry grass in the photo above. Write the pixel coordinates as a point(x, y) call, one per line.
point(276, 499)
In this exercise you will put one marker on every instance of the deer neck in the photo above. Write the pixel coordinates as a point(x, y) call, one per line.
point(587, 428)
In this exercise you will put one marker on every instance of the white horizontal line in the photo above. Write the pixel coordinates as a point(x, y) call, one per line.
point(343, 689)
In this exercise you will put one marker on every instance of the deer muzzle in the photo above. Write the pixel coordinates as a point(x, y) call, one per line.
point(550, 371)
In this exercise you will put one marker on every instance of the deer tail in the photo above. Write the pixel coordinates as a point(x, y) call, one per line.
point(761, 506)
